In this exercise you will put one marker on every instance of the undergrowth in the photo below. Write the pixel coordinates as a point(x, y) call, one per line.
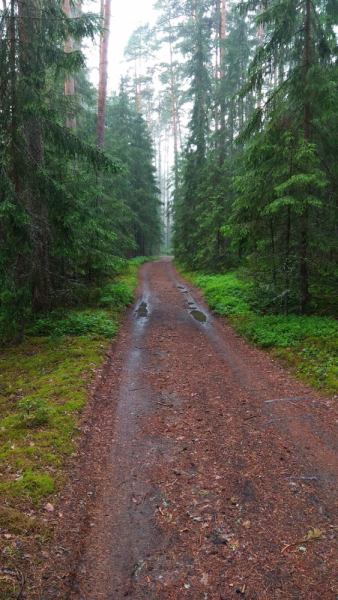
point(309, 343)
point(43, 390)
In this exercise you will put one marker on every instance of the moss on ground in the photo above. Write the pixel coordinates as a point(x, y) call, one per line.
point(43, 389)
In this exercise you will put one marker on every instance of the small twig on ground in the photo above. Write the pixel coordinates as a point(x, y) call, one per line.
point(168, 484)
point(252, 417)
point(163, 404)
point(313, 534)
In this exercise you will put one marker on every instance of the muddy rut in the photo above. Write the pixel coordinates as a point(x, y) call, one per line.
point(203, 466)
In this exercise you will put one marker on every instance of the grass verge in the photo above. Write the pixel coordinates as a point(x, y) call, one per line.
point(43, 389)
point(308, 344)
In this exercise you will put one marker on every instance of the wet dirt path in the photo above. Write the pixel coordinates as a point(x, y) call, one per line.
point(210, 460)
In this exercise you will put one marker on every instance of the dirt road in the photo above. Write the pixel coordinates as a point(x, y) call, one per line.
point(202, 468)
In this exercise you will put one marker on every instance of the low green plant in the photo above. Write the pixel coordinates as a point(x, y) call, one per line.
point(226, 294)
point(117, 294)
point(34, 412)
point(309, 344)
point(60, 323)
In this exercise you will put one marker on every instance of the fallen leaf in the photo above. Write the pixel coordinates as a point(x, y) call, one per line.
point(204, 579)
point(313, 534)
point(49, 507)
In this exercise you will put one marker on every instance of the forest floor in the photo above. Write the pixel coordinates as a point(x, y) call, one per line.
point(203, 471)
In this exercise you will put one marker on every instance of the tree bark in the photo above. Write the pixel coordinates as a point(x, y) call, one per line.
point(222, 78)
point(287, 266)
point(14, 125)
point(69, 83)
point(103, 76)
point(39, 234)
point(260, 37)
point(173, 112)
point(303, 263)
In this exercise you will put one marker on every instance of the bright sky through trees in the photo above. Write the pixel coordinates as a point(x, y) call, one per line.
point(126, 17)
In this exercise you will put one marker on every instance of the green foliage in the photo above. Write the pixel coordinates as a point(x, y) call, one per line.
point(279, 331)
point(60, 323)
point(116, 294)
point(259, 191)
point(308, 343)
point(128, 137)
point(69, 211)
point(226, 294)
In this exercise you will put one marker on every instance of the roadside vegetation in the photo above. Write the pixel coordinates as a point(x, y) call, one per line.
point(309, 344)
point(43, 389)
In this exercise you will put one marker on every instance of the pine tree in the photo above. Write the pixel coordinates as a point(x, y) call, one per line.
point(303, 35)
point(195, 153)
point(33, 133)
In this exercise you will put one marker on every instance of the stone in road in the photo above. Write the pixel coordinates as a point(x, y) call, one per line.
point(212, 464)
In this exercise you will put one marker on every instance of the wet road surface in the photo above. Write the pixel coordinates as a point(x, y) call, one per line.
point(216, 460)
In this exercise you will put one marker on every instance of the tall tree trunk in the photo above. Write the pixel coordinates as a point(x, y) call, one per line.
point(216, 90)
point(14, 125)
point(103, 76)
point(39, 273)
point(303, 264)
point(222, 78)
point(69, 83)
point(179, 126)
point(217, 49)
point(149, 118)
point(173, 113)
point(272, 235)
point(260, 38)
point(136, 87)
point(287, 266)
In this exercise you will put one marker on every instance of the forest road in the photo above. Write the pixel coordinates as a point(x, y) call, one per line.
point(209, 464)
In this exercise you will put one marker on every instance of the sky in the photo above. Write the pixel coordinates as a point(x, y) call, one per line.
point(126, 16)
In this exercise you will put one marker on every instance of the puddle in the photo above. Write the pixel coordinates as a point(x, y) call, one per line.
point(142, 310)
point(198, 315)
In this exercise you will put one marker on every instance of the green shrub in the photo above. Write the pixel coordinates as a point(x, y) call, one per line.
point(139, 260)
point(117, 294)
point(226, 294)
point(60, 323)
point(280, 331)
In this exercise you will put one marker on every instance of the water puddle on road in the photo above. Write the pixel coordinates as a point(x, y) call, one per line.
point(198, 316)
point(142, 310)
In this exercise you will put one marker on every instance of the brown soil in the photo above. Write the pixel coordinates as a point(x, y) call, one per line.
point(202, 467)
